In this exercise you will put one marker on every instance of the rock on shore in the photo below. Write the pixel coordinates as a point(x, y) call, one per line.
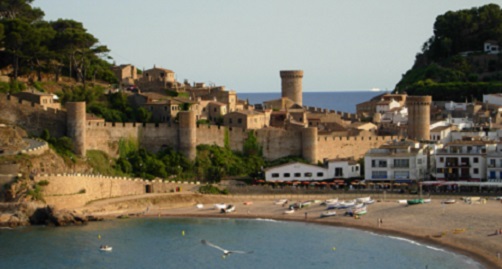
point(23, 214)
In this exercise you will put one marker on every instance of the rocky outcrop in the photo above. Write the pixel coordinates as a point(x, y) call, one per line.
point(49, 216)
point(23, 214)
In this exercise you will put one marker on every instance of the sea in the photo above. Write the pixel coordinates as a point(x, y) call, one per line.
point(344, 101)
point(176, 243)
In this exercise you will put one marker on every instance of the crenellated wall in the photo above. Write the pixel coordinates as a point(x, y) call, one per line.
point(76, 190)
point(106, 136)
point(332, 147)
point(32, 117)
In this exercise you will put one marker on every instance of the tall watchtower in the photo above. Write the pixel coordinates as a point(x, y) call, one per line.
point(291, 82)
point(76, 126)
point(187, 134)
point(419, 113)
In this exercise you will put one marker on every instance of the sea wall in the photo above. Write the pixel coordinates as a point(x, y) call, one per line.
point(76, 190)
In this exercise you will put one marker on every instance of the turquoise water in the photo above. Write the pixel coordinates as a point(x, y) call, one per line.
point(175, 243)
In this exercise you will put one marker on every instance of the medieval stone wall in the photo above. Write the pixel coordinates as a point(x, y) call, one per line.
point(106, 136)
point(278, 143)
point(32, 117)
point(332, 147)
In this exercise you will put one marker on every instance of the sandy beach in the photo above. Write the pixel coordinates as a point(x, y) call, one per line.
point(469, 229)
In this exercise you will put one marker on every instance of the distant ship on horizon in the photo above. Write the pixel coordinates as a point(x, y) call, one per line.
point(375, 89)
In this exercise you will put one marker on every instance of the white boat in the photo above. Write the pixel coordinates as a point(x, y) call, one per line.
point(228, 209)
point(358, 205)
point(289, 211)
point(342, 205)
point(330, 202)
point(328, 213)
point(105, 248)
point(363, 199)
point(220, 206)
point(281, 201)
point(369, 202)
point(427, 200)
point(449, 201)
point(402, 201)
point(356, 211)
point(199, 206)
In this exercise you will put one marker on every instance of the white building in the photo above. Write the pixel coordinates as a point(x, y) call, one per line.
point(440, 134)
point(387, 105)
point(491, 47)
point(343, 168)
point(296, 171)
point(493, 99)
point(400, 161)
point(397, 116)
point(463, 160)
point(494, 164)
point(307, 172)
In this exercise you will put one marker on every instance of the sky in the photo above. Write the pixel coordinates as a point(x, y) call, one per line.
point(341, 45)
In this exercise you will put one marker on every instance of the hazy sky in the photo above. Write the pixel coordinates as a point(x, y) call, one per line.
point(340, 44)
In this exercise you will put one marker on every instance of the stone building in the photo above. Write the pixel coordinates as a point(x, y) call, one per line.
point(44, 99)
point(126, 74)
point(246, 119)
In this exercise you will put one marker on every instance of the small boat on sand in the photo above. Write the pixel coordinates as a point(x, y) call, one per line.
point(369, 202)
point(105, 248)
point(328, 213)
point(281, 201)
point(220, 206)
point(289, 211)
point(449, 201)
point(363, 199)
point(415, 201)
point(228, 209)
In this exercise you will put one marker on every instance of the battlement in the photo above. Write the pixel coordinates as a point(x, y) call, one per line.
point(345, 115)
point(419, 100)
point(291, 74)
point(355, 139)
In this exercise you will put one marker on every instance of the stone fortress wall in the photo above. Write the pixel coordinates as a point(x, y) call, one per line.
point(76, 190)
point(33, 117)
point(275, 142)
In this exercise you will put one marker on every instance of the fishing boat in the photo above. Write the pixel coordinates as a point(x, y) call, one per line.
point(329, 213)
point(105, 248)
point(356, 211)
point(415, 201)
point(427, 200)
point(220, 206)
point(228, 209)
point(289, 211)
point(330, 202)
point(369, 202)
point(449, 201)
point(281, 201)
point(363, 199)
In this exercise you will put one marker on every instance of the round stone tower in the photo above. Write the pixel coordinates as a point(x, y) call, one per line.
point(76, 126)
point(309, 144)
point(419, 113)
point(291, 82)
point(187, 134)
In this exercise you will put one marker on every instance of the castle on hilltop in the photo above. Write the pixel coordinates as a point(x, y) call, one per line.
point(283, 127)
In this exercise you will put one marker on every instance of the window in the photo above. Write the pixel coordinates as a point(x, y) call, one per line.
point(230, 121)
point(275, 175)
point(378, 163)
point(476, 159)
point(308, 174)
point(287, 175)
point(320, 174)
point(402, 174)
point(239, 121)
point(298, 174)
point(379, 174)
point(441, 159)
point(214, 109)
point(338, 172)
point(440, 170)
point(402, 163)
point(476, 171)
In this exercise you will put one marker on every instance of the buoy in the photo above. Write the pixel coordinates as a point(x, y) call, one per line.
point(334, 248)
point(183, 233)
point(99, 236)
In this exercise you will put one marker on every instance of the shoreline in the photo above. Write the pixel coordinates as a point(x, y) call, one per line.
point(461, 228)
